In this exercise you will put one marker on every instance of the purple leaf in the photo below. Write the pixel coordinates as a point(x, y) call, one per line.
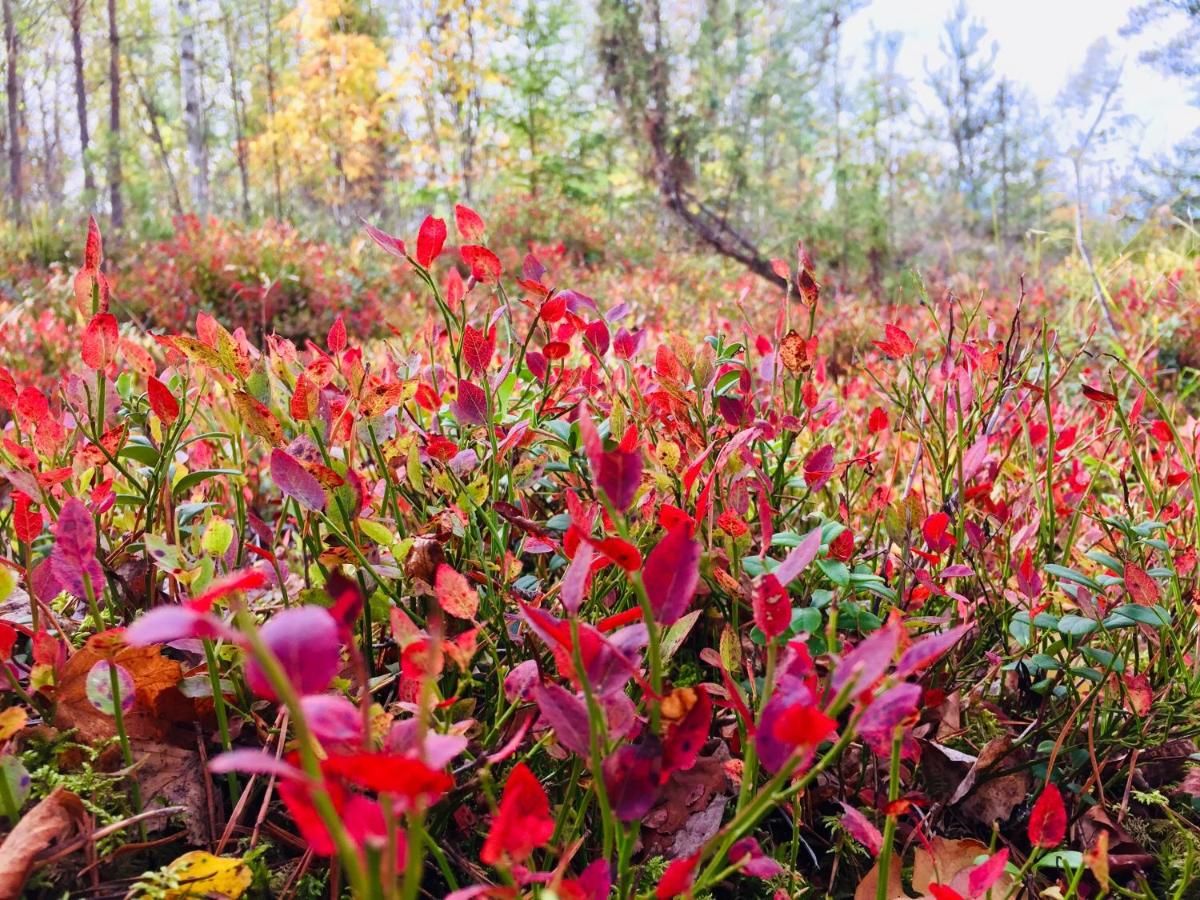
point(886, 712)
point(866, 663)
point(928, 650)
point(74, 554)
point(305, 641)
point(671, 574)
point(470, 404)
point(755, 862)
point(295, 481)
point(566, 714)
point(798, 560)
point(631, 777)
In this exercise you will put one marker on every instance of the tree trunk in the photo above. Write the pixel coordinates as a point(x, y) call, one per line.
point(268, 17)
point(114, 119)
point(239, 111)
point(12, 87)
point(198, 170)
point(164, 158)
point(75, 17)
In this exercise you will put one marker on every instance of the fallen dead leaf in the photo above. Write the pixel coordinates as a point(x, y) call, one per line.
point(868, 888)
point(200, 874)
point(691, 800)
point(993, 799)
point(55, 821)
point(949, 861)
point(158, 703)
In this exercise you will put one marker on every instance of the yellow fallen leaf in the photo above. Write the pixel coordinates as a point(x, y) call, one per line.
point(200, 874)
point(12, 720)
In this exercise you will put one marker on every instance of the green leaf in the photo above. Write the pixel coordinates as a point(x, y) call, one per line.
point(1065, 574)
point(1077, 626)
point(190, 480)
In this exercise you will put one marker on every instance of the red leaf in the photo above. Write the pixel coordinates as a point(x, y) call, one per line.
point(430, 239)
point(478, 349)
point(390, 773)
point(686, 738)
point(1098, 396)
point(944, 892)
point(896, 343)
point(772, 607)
point(246, 580)
point(100, 340)
point(162, 401)
point(575, 579)
point(677, 879)
point(74, 554)
point(672, 574)
point(818, 467)
point(27, 524)
point(336, 339)
point(523, 822)
point(928, 650)
point(8, 637)
point(1142, 589)
point(295, 481)
point(617, 472)
point(804, 726)
point(891, 709)
point(470, 225)
point(1048, 820)
point(454, 594)
point(93, 248)
point(484, 264)
point(866, 663)
point(620, 552)
point(632, 776)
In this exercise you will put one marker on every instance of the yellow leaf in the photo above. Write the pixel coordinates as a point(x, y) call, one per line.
point(200, 874)
point(12, 720)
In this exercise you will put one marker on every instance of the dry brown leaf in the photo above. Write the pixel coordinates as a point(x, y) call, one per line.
point(993, 799)
point(173, 776)
point(158, 704)
point(690, 800)
point(868, 888)
point(949, 862)
point(53, 822)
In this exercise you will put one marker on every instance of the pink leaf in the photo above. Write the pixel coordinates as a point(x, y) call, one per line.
point(798, 560)
point(470, 406)
point(928, 650)
point(987, 873)
point(862, 829)
point(305, 641)
point(575, 580)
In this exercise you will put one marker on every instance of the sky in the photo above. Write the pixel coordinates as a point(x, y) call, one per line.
point(1041, 42)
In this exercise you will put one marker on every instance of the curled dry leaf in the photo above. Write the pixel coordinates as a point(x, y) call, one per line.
point(54, 822)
